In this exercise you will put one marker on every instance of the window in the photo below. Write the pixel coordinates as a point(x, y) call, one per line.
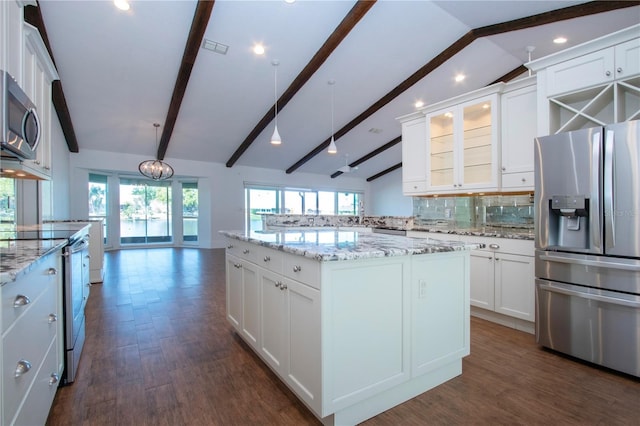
point(145, 211)
point(98, 200)
point(7, 204)
point(261, 200)
point(189, 211)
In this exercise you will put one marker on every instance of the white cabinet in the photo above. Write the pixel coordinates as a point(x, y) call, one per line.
point(12, 16)
point(518, 131)
point(462, 147)
point(414, 156)
point(31, 366)
point(38, 74)
point(592, 84)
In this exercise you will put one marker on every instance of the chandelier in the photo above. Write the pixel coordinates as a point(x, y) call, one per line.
point(156, 169)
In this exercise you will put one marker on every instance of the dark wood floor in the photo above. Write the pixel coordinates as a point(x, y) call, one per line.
point(160, 352)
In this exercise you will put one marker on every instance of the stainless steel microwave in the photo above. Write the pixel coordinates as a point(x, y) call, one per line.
point(19, 121)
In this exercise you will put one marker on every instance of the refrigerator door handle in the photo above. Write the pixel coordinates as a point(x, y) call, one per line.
point(596, 297)
point(595, 200)
point(585, 262)
point(609, 214)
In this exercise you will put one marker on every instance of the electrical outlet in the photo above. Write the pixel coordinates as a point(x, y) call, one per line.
point(422, 289)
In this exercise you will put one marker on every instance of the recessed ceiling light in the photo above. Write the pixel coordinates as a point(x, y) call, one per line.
point(375, 130)
point(289, 1)
point(419, 104)
point(459, 78)
point(122, 4)
point(8, 171)
point(258, 49)
point(560, 40)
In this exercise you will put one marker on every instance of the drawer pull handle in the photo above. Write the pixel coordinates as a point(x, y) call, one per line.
point(297, 268)
point(619, 70)
point(237, 265)
point(267, 259)
point(245, 251)
point(494, 246)
point(52, 318)
point(20, 301)
point(608, 73)
point(52, 271)
point(53, 379)
point(22, 367)
point(283, 286)
point(230, 246)
point(278, 284)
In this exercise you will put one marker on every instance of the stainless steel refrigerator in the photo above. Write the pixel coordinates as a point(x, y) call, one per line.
point(587, 235)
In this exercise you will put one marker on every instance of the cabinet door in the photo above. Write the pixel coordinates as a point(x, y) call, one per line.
point(250, 304)
point(414, 156)
point(234, 291)
point(515, 286)
point(303, 366)
point(273, 322)
point(482, 279)
point(627, 58)
point(441, 154)
point(582, 72)
point(440, 295)
point(13, 59)
point(478, 145)
point(518, 132)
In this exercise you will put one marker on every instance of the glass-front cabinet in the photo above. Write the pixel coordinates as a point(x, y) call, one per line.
point(462, 147)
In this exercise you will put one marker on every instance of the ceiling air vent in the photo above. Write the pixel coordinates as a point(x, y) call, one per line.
point(375, 130)
point(214, 46)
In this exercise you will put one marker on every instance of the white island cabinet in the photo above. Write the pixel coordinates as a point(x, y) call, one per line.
point(354, 323)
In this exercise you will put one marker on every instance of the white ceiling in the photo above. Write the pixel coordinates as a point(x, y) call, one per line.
point(118, 70)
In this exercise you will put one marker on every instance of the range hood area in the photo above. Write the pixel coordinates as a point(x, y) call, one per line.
point(17, 169)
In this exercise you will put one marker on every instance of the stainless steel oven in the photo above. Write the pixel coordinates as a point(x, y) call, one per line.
point(76, 293)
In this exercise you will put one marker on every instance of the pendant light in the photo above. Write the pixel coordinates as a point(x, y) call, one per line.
point(333, 149)
point(156, 169)
point(275, 138)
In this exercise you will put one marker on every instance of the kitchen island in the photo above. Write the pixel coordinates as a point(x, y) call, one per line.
point(354, 323)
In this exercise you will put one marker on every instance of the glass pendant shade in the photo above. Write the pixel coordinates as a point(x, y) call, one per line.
point(275, 138)
point(333, 149)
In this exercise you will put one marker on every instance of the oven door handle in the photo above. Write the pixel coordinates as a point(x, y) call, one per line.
point(596, 297)
point(78, 246)
point(585, 262)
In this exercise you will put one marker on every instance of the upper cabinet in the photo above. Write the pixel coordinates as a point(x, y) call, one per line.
point(592, 84)
point(11, 31)
point(414, 155)
point(462, 147)
point(517, 133)
point(38, 74)
point(453, 146)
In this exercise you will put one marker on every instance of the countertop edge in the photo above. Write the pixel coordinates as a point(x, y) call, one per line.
point(11, 276)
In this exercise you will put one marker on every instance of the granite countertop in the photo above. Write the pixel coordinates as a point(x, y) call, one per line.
point(335, 244)
point(510, 233)
point(19, 257)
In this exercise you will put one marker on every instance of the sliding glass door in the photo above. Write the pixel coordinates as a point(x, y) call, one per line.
point(145, 211)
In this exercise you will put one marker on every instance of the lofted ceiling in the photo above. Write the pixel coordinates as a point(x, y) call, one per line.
point(118, 72)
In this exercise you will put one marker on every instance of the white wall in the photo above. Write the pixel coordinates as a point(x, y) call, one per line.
point(386, 196)
point(221, 188)
point(59, 172)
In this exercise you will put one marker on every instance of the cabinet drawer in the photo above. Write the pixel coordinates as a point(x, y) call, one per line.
point(31, 285)
point(38, 402)
point(244, 250)
point(270, 259)
point(518, 180)
point(28, 339)
point(302, 269)
point(503, 245)
point(414, 187)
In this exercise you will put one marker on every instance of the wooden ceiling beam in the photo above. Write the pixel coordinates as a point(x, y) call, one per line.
point(33, 16)
point(570, 12)
point(372, 154)
point(384, 172)
point(354, 16)
point(196, 34)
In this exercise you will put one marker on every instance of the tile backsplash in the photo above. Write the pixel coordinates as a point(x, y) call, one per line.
point(478, 212)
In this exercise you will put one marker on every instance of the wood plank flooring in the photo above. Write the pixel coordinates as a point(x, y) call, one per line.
point(159, 351)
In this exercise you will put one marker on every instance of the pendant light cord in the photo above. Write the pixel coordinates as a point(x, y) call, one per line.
point(275, 88)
